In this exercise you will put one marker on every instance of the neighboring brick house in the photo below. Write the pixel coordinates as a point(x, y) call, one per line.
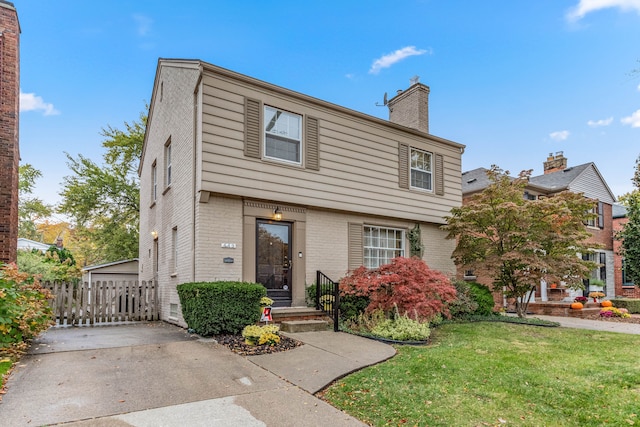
point(557, 177)
point(244, 180)
point(9, 114)
point(624, 286)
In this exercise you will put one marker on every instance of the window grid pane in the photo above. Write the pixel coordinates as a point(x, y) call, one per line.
point(381, 245)
point(421, 176)
point(282, 135)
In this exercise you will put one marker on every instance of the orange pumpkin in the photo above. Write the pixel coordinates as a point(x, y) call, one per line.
point(576, 305)
point(606, 304)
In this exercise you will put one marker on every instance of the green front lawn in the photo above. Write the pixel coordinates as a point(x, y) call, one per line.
point(487, 374)
point(5, 365)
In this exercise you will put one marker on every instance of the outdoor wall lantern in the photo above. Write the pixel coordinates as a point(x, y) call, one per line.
point(154, 234)
point(277, 214)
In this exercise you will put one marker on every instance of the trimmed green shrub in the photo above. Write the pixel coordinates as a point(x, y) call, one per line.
point(212, 308)
point(483, 296)
point(351, 306)
point(464, 304)
point(631, 304)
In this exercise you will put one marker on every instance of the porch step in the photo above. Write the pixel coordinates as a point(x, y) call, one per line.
point(304, 325)
point(296, 313)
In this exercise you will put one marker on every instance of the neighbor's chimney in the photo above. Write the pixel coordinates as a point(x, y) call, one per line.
point(555, 163)
point(411, 107)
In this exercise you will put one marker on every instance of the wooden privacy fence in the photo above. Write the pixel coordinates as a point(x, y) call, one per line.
point(103, 302)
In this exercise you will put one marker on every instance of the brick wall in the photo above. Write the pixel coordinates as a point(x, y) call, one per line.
point(9, 148)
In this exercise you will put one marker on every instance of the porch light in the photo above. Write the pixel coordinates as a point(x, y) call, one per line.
point(277, 214)
point(154, 234)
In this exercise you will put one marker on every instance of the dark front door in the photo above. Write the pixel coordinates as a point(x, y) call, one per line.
point(273, 260)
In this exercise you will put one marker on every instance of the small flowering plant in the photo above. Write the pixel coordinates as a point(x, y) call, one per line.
point(596, 295)
point(614, 312)
point(259, 335)
point(581, 299)
point(265, 302)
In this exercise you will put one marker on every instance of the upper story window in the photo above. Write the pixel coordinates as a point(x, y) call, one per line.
point(596, 221)
point(283, 135)
point(421, 170)
point(167, 158)
point(381, 245)
point(154, 182)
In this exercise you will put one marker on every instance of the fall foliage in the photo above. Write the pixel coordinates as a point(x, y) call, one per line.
point(408, 283)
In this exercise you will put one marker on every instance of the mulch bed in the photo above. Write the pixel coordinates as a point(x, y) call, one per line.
point(236, 344)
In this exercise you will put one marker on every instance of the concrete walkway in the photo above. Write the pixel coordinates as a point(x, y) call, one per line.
point(155, 374)
point(595, 325)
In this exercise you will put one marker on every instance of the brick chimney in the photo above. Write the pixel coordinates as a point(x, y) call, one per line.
point(9, 112)
point(411, 107)
point(555, 163)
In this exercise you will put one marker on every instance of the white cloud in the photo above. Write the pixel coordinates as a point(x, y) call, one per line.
point(560, 135)
point(633, 120)
point(31, 102)
point(144, 24)
point(639, 88)
point(386, 61)
point(587, 6)
point(597, 123)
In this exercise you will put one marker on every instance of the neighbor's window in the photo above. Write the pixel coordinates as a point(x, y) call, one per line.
point(282, 138)
point(626, 281)
point(421, 175)
point(381, 245)
point(167, 157)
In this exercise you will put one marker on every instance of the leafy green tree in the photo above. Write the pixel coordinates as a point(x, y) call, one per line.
point(31, 210)
point(518, 242)
point(103, 200)
point(630, 233)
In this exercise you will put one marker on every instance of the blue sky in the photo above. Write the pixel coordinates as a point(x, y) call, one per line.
point(512, 80)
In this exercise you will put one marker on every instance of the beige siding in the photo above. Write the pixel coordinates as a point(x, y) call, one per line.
point(358, 159)
point(328, 242)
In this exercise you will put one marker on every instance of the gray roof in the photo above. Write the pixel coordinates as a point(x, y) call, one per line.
point(574, 178)
point(619, 211)
point(558, 181)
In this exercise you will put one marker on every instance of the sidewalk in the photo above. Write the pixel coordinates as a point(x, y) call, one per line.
point(155, 374)
point(596, 325)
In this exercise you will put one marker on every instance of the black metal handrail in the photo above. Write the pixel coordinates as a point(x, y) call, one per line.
point(328, 297)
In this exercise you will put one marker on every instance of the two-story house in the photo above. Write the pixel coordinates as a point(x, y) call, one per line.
point(584, 179)
point(245, 180)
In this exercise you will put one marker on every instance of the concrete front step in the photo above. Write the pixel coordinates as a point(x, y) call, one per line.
point(304, 325)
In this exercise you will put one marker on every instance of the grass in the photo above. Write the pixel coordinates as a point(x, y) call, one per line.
point(5, 365)
point(478, 374)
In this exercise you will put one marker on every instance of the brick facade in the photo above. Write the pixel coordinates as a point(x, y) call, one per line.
point(9, 112)
point(621, 290)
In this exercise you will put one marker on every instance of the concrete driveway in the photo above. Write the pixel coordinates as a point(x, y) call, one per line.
point(152, 374)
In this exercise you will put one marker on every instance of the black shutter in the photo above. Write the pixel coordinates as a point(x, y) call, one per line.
point(600, 215)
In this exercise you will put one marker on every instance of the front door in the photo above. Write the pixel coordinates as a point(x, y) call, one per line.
point(273, 260)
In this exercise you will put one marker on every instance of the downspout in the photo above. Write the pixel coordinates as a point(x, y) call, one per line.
point(196, 110)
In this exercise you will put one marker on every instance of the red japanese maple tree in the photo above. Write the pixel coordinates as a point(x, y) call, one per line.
point(408, 283)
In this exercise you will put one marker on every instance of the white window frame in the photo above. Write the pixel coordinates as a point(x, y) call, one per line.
point(419, 169)
point(287, 127)
point(377, 247)
point(174, 247)
point(154, 182)
point(167, 158)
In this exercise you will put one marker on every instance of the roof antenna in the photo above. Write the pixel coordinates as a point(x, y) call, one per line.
point(384, 101)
